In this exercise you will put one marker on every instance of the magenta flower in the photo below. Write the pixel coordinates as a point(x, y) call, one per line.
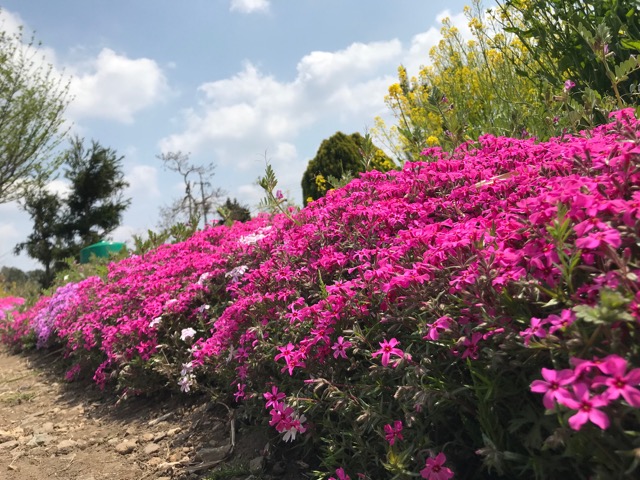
point(387, 349)
point(393, 432)
point(536, 328)
point(341, 475)
point(595, 238)
point(552, 386)
point(618, 383)
point(587, 407)
point(273, 397)
point(568, 85)
point(435, 470)
point(340, 348)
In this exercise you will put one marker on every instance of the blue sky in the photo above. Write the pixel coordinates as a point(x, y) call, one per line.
point(226, 80)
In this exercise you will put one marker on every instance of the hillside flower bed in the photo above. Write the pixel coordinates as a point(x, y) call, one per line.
point(474, 315)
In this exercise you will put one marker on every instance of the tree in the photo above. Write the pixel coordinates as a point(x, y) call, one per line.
point(233, 211)
point(341, 156)
point(93, 208)
point(96, 202)
point(32, 103)
point(44, 243)
point(200, 197)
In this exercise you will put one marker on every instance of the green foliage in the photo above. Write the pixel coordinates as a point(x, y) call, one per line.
point(95, 204)
point(274, 201)
point(175, 233)
point(232, 211)
point(62, 227)
point(32, 103)
point(470, 87)
point(339, 158)
point(44, 243)
point(17, 283)
point(593, 44)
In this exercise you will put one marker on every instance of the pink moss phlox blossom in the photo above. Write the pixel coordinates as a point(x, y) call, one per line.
point(553, 386)
point(294, 358)
point(472, 346)
point(273, 397)
point(435, 470)
point(561, 322)
point(568, 85)
point(536, 329)
point(393, 432)
point(388, 348)
point(340, 348)
point(587, 406)
point(285, 420)
point(341, 475)
point(597, 238)
point(440, 325)
point(240, 393)
point(9, 303)
point(619, 382)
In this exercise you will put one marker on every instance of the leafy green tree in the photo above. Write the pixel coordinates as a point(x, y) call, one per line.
point(341, 156)
point(233, 211)
point(95, 205)
point(33, 99)
point(93, 208)
point(44, 243)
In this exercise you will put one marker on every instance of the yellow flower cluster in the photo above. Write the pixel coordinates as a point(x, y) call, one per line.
point(470, 87)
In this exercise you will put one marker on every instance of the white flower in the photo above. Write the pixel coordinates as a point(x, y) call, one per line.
point(255, 237)
point(187, 333)
point(187, 368)
point(203, 278)
point(186, 382)
point(236, 273)
point(156, 321)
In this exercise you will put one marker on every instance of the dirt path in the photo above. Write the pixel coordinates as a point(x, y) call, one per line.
point(53, 430)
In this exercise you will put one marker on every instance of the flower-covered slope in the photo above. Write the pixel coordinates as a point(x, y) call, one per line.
point(407, 315)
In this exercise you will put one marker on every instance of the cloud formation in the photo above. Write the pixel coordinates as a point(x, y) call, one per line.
point(249, 6)
point(115, 87)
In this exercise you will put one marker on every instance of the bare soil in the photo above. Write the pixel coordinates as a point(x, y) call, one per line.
point(51, 429)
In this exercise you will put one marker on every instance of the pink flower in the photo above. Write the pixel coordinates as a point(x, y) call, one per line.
point(552, 386)
point(240, 393)
point(441, 324)
point(341, 475)
point(387, 349)
point(587, 407)
point(435, 470)
point(393, 433)
point(568, 85)
point(273, 397)
point(595, 238)
point(340, 348)
point(618, 383)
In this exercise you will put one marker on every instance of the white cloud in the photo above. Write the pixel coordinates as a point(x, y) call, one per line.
point(239, 118)
point(143, 182)
point(115, 87)
point(354, 61)
point(59, 187)
point(10, 22)
point(249, 6)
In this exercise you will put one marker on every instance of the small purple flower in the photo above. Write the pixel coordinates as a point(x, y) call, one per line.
point(568, 85)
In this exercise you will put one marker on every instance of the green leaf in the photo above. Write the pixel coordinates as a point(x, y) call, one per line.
point(630, 44)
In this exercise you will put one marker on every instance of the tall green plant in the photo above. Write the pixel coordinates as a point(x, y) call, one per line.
point(470, 87)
